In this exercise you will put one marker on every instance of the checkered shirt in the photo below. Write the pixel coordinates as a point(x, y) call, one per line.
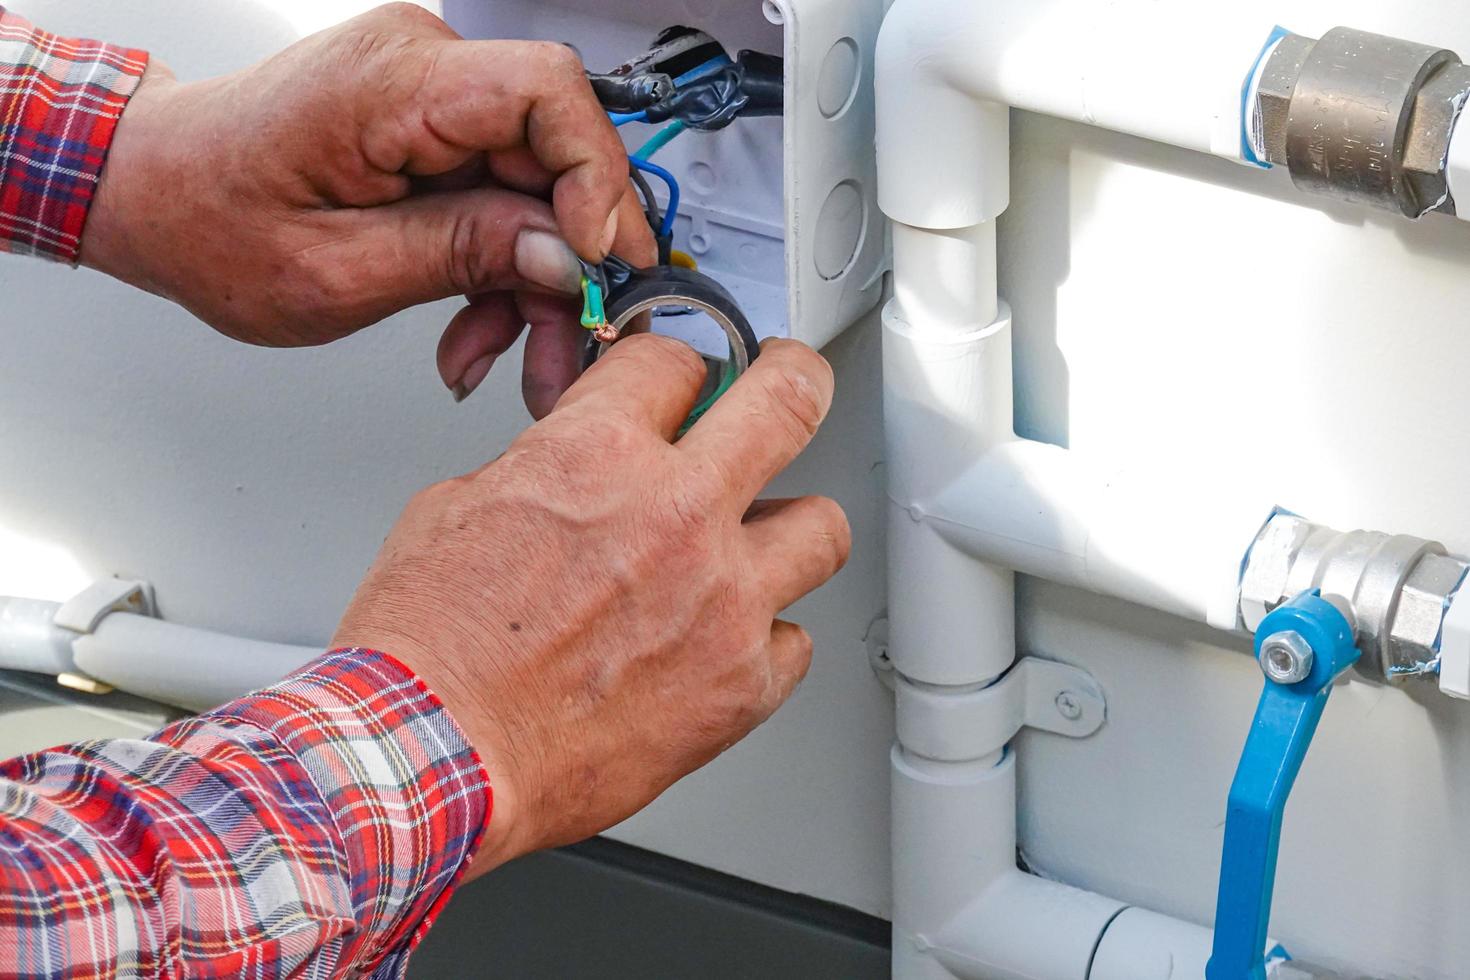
point(60, 100)
point(312, 829)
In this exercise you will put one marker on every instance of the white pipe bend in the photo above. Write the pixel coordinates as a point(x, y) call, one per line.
point(947, 71)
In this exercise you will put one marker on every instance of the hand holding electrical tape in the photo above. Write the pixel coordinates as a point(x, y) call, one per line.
point(614, 304)
point(597, 607)
point(686, 77)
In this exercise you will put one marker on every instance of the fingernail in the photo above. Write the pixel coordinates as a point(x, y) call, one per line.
point(546, 260)
point(610, 233)
point(473, 375)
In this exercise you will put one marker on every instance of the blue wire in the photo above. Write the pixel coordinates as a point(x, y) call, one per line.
point(718, 61)
point(672, 211)
point(662, 138)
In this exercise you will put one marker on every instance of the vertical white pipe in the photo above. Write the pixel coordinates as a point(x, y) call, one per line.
point(945, 280)
point(940, 854)
point(946, 401)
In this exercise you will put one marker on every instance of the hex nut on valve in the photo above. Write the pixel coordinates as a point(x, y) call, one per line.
point(1414, 637)
point(1267, 575)
point(1286, 657)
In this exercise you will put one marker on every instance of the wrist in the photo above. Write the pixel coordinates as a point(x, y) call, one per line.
point(506, 836)
point(116, 239)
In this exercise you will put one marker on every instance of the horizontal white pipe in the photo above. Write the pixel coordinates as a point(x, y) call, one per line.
point(165, 662)
point(1141, 535)
point(29, 640)
point(946, 70)
point(1143, 945)
point(180, 665)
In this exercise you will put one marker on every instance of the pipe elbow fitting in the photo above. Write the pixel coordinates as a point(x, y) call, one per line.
point(933, 136)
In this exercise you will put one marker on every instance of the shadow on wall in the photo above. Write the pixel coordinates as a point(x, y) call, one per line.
point(195, 40)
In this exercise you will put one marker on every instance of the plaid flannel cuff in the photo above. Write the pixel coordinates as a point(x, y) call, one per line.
point(60, 100)
point(406, 791)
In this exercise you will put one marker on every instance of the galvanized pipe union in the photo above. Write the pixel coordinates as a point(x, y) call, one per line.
point(1363, 117)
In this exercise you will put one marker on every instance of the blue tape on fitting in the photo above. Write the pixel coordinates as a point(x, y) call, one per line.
point(1247, 150)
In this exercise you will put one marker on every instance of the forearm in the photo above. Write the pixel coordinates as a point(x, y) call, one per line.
point(310, 829)
point(60, 101)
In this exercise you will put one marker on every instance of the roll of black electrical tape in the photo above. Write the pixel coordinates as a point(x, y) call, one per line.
point(648, 290)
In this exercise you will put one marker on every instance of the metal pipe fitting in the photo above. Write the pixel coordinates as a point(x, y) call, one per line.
point(1398, 587)
point(1363, 118)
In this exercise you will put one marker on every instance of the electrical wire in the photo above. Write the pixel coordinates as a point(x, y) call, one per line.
point(660, 139)
point(714, 64)
point(650, 203)
point(663, 225)
point(671, 211)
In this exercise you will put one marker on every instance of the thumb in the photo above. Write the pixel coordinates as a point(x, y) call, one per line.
point(393, 256)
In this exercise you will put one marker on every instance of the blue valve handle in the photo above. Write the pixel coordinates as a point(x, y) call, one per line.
point(1286, 719)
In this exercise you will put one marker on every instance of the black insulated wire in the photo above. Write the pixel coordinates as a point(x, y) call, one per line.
point(753, 85)
point(653, 214)
point(630, 93)
point(650, 203)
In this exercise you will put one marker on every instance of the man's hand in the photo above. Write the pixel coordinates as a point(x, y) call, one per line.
point(597, 607)
point(375, 166)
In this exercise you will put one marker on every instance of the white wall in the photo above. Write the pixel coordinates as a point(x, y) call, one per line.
point(1164, 303)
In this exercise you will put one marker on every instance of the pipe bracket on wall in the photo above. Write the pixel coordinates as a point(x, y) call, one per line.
point(945, 725)
point(1303, 646)
point(82, 612)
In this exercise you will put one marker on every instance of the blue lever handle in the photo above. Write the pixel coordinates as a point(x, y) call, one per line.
point(1286, 719)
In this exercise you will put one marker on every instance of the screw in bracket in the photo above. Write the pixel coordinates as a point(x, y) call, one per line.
point(1068, 706)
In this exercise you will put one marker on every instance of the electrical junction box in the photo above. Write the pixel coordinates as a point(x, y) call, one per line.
point(783, 212)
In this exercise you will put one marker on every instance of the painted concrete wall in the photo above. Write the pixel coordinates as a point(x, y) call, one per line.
point(1165, 303)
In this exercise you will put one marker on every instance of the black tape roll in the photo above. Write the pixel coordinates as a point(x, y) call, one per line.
point(667, 285)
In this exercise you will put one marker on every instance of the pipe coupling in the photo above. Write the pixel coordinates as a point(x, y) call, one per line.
point(1399, 588)
point(1363, 118)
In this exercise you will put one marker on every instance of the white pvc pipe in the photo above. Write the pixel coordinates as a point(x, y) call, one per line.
point(30, 641)
point(968, 501)
point(1137, 534)
point(946, 401)
point(961, 907)
point(179, 665)
point(947, 70)
point(1143, 945)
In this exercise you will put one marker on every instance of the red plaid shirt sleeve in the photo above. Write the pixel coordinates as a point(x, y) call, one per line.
point(60, 100)
point(311, 829)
